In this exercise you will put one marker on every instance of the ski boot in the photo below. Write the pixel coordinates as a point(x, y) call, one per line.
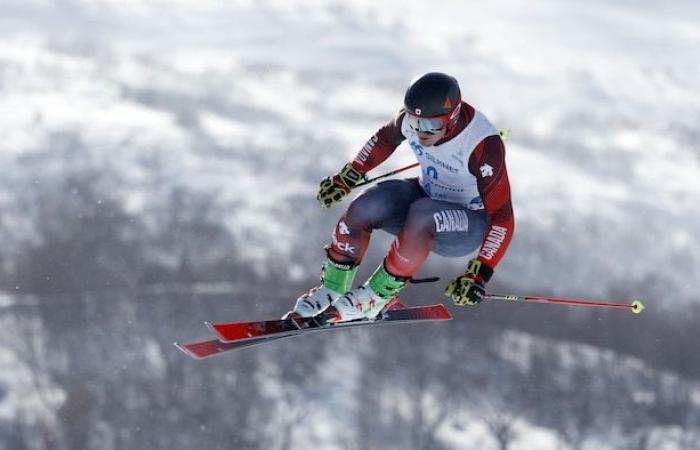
point(368, 300)
point(336, 280)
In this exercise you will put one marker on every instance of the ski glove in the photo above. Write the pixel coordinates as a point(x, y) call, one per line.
point(468, 288)
point(334, 189)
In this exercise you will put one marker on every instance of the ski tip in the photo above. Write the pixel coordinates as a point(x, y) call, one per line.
point(445, 313)
point(183, 348)
point(214, 329)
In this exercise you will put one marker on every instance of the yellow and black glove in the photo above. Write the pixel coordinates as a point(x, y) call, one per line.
point(333, 189)
point(468, 288)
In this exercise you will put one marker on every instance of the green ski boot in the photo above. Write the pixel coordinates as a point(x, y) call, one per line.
point(368, 300)
point(336, 280)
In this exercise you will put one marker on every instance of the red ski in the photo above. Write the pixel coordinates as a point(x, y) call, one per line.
point(242, 331)
point(203, 349)
point(235, 336)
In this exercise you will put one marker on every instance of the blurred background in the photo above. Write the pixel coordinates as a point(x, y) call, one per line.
point(159, 163)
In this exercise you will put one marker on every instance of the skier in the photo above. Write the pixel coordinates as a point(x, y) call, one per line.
point(460, 203)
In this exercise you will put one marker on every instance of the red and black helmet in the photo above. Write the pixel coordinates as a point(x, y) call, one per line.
point(433, 102)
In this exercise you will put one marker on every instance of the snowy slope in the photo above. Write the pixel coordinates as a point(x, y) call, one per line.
point(28, 395)
point(602, 398)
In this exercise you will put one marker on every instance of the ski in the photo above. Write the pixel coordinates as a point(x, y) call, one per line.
point(204, 349)
point(242, 331)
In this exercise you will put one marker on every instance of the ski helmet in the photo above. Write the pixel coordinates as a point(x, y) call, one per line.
point(433, 102)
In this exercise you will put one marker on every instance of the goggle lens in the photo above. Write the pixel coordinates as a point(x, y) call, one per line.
point(427, 125)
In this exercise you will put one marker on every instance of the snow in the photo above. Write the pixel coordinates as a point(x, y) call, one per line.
point(476, 435)
point(224, 130)
point(26, 392)
point(6, 300)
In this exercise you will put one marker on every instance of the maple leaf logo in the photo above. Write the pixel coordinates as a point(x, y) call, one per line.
point(486, 170)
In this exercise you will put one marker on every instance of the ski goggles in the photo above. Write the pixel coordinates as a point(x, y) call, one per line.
point(431, 125)
point(427, 125)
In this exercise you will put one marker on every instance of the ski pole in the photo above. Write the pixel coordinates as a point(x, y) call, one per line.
point(503, 132)
point(393, 172)
point(636, 306)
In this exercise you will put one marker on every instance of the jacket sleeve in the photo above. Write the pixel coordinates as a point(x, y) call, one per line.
point(381, 145)
point(487, 163)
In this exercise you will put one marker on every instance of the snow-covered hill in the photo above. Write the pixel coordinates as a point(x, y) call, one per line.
point(109, 380)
